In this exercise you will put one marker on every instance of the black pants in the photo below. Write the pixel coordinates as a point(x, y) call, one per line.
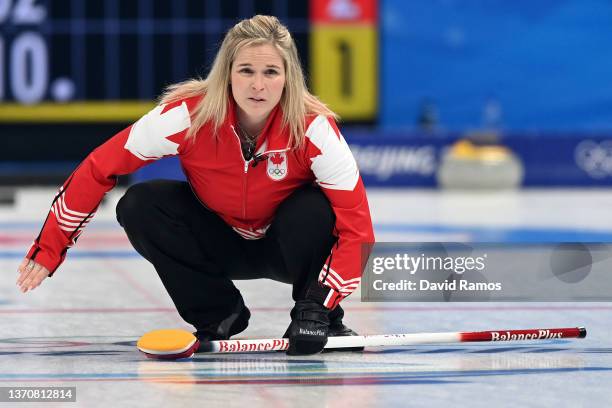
point(196, 254)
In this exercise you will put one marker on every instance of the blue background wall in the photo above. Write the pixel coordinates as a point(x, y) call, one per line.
point(546, 63)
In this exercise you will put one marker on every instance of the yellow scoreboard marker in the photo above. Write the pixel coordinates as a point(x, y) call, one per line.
point(344, 56)
point(75, 112)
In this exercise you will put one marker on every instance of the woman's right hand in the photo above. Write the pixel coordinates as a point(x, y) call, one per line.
point(31, 274)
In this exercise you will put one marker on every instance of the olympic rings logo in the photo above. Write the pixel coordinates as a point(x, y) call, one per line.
point(277, 172)
point(595, 158)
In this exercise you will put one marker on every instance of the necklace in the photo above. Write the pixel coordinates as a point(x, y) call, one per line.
point(247, 134)
point(247, 142)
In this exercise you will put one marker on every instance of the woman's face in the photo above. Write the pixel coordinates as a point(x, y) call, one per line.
point(258, 80)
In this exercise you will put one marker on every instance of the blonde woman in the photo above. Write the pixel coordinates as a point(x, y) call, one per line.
point(273, 192)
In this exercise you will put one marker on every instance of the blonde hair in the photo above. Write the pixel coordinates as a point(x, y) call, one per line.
point(296, 101)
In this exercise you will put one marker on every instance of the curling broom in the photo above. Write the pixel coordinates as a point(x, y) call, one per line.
point(175, 344)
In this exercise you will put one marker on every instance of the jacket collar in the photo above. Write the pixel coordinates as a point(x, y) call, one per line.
point(276, 138)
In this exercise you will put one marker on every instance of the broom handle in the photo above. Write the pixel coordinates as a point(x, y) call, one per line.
point(260, 345)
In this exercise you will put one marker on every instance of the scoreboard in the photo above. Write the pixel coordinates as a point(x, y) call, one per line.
point(107, 60)
point(98, 61)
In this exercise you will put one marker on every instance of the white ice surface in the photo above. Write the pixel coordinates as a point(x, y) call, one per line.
point(79, 328)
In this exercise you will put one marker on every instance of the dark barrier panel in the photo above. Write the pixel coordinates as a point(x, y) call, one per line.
point(401, 160)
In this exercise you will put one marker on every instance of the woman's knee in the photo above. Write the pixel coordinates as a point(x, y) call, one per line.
point(308, 208)
point(134, 201)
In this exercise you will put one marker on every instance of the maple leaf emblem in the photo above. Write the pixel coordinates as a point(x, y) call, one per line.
point(277, 159)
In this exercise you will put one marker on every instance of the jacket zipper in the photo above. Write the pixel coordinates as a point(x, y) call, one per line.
point(244, 189)
point(245, 177)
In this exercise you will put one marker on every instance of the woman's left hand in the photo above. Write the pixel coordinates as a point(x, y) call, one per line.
point(31, 274)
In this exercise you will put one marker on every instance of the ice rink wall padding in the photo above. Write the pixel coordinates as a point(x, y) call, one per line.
point(412, 159)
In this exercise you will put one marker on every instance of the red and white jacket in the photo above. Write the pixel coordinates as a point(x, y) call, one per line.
point(245, 196)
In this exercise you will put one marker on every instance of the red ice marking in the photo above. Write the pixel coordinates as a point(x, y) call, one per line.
point(67, 379)
point(448, 309)
point(91, 240)
point(135, 284)
point(91, 310)
point(369, 380)
point(20, 344)
point(285, 309)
